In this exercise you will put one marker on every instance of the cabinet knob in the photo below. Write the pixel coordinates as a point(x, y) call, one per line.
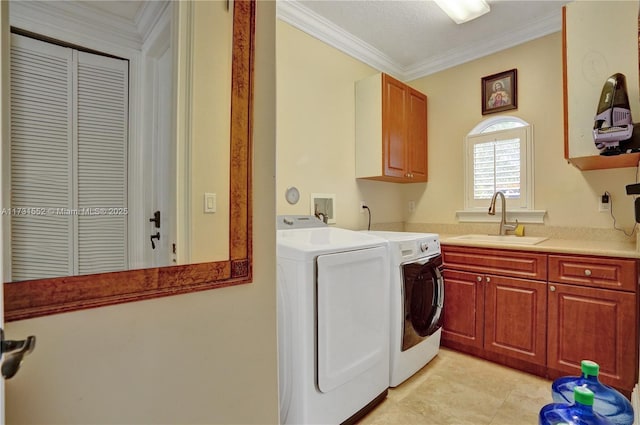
point(587, 272)
point(488, 279)
point(479, 278)
point(552, 288)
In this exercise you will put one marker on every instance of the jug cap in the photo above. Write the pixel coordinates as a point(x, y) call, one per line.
point(583, 395)
point(589, 368)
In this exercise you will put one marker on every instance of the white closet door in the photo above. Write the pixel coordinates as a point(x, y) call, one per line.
point(102, 128)
point(69, 118)
point(41, 159)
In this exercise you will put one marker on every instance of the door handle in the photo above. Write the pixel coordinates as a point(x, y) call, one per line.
point(156, 219)
point(15, 352)
point(156, 236)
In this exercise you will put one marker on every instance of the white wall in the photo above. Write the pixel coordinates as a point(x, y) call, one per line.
point(205, 357)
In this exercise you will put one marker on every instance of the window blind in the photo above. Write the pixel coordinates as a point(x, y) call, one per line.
point(496, 167)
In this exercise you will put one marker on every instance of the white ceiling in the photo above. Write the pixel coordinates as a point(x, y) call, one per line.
point(413, 38)
point(405, 38)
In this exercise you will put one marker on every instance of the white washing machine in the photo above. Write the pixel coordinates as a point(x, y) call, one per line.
point(417, 297)
point(333, 321)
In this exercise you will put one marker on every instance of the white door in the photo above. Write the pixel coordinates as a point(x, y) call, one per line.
point(163, 173)
point(353, 314)
point(159, 148)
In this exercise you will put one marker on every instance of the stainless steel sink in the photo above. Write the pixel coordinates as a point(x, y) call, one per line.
point(506, 239)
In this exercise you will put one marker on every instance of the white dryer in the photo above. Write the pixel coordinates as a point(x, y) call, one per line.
point(333, 321)
point(417, 298)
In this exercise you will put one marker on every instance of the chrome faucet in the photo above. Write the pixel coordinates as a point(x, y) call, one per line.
point(504, 226)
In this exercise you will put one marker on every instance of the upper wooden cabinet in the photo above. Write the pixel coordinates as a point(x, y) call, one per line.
point(599, 40)
point(391, 131)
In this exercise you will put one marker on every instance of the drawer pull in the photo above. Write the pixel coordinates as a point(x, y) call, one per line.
point(587, 272)
point(488, 279)
point(552, 288)
point(479, 278)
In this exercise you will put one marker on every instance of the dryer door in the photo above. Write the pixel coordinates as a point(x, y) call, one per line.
point(353, 314)
point(423, 291)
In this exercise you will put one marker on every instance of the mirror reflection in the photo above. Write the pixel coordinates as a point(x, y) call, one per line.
point(109, 167)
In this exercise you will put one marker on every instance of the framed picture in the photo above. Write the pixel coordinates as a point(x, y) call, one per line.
point(500, 92)
point(323, 206)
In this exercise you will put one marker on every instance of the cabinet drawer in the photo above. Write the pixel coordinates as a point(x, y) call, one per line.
point(599, 272)
point(528, 265)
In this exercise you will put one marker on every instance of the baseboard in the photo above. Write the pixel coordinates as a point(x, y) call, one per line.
point(635, 402)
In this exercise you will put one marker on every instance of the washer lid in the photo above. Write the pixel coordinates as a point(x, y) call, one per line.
point(298, 222)
point(401, 236)
point(304, 244)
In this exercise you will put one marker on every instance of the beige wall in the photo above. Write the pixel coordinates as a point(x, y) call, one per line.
point(569, 196)
point(206, 357)
point(209, 156)
point(316, 131)
point(315, 137)
point(592, 28)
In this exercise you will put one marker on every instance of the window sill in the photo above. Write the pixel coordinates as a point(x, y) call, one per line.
point(481, 216)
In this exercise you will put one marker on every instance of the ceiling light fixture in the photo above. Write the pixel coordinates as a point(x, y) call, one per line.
point(462, 11)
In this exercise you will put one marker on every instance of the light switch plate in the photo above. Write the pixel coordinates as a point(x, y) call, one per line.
point(209, 202)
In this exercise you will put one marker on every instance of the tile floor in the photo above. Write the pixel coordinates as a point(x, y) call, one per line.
point(457, 389)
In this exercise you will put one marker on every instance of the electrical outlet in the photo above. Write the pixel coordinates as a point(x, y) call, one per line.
point(363, 204)
point(605, 203)
point(412, 206)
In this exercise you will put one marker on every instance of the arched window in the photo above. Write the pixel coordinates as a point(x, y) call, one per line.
point(499, 157)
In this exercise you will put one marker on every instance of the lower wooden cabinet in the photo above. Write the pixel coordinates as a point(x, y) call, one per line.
point(463, 313)
point(595, 324)
point(503, 315)
point(504, 306)
point(515, 318)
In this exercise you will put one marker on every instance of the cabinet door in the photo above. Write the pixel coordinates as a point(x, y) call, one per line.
point(463, 308)
point(594, 324)
point(394, 127)
point(515, 317)
point(417, 136)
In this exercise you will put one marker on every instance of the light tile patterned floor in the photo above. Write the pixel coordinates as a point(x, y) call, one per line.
point(457, 389)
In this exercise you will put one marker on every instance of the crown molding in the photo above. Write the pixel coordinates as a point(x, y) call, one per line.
point(295, 14)
point(58, 19)
point(149, 16)
point(304, 19)
point(544, 26)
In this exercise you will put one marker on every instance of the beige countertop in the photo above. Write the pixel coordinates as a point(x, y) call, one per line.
point(556, 245)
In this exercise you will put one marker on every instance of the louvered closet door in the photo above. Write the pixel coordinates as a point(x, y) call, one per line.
point(102, 99)
point(68, 161)
point(41, 159)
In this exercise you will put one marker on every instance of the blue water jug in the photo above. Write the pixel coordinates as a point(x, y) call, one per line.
point(579, 413)
point(607, 401)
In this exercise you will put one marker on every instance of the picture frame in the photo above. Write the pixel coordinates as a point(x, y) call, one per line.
point(500, 92)
point(324, 204)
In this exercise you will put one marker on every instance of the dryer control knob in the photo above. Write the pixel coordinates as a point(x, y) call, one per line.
point(424, 246)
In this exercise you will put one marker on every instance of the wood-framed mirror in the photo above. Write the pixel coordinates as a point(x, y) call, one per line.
point(33, 298)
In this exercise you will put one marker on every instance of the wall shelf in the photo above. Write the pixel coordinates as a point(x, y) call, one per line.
point(600, 162)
